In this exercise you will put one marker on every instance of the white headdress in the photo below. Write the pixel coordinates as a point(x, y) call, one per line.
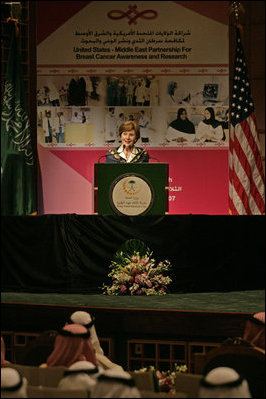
point(80, 375)
point(115, 384)
point(84, 318)
point(223, 382)
point(13, 385)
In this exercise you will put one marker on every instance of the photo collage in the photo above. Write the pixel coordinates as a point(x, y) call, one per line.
point(171, 111)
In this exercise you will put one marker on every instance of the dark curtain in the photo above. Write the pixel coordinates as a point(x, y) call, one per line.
point(72, 253)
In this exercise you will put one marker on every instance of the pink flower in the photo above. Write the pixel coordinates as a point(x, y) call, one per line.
point(139, 292)
point(123, 289)
point(149, 283)
point(137, 279)
point(131, 279)
point(143, 261)
point(135, 271)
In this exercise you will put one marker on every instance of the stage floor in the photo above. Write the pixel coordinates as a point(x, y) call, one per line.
point(233, 301)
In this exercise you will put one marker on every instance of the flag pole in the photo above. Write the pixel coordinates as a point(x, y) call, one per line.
point(237, 8)
point(14, 8)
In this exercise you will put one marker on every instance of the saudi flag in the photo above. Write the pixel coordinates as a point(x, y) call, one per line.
point(18, 193)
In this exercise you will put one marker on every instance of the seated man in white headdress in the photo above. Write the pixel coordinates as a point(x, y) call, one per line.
point(13, 385)
point(115, 384)
point(223, 382)
point(80, 375)
point(87, 321)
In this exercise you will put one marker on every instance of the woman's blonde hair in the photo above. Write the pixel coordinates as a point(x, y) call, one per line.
point(130, 125)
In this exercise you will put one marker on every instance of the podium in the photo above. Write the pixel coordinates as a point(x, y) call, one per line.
point(131, 189)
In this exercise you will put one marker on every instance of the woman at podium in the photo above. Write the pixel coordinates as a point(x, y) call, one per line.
point(127, 152)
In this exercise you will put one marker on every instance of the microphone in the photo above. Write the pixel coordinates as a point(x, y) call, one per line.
point(130, 147)
point(103, 156)
point(156, 159)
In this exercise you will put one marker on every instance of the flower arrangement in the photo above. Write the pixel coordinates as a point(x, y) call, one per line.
point(134, 272)
point(166, 379)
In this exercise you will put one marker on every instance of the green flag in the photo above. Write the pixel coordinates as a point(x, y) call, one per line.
point(18, 188)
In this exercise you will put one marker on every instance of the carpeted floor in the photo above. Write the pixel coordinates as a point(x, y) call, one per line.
point(235, 301)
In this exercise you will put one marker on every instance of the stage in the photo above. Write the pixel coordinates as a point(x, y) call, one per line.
point(53, 265)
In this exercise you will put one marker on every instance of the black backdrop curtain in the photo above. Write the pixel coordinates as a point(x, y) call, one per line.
point(71, 253)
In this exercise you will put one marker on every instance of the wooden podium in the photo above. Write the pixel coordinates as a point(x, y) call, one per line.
point(131, 189)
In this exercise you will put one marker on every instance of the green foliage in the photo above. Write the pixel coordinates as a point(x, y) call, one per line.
point(129, 249)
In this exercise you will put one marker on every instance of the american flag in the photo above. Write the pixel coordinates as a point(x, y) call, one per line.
point(246, 175)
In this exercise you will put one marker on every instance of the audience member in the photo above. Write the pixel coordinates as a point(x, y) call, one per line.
point(115, 384)
point(255, 330)
point(223, 382)
point(80, 375)
point(13, 385)
point(85, 319)
point(72, 344)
